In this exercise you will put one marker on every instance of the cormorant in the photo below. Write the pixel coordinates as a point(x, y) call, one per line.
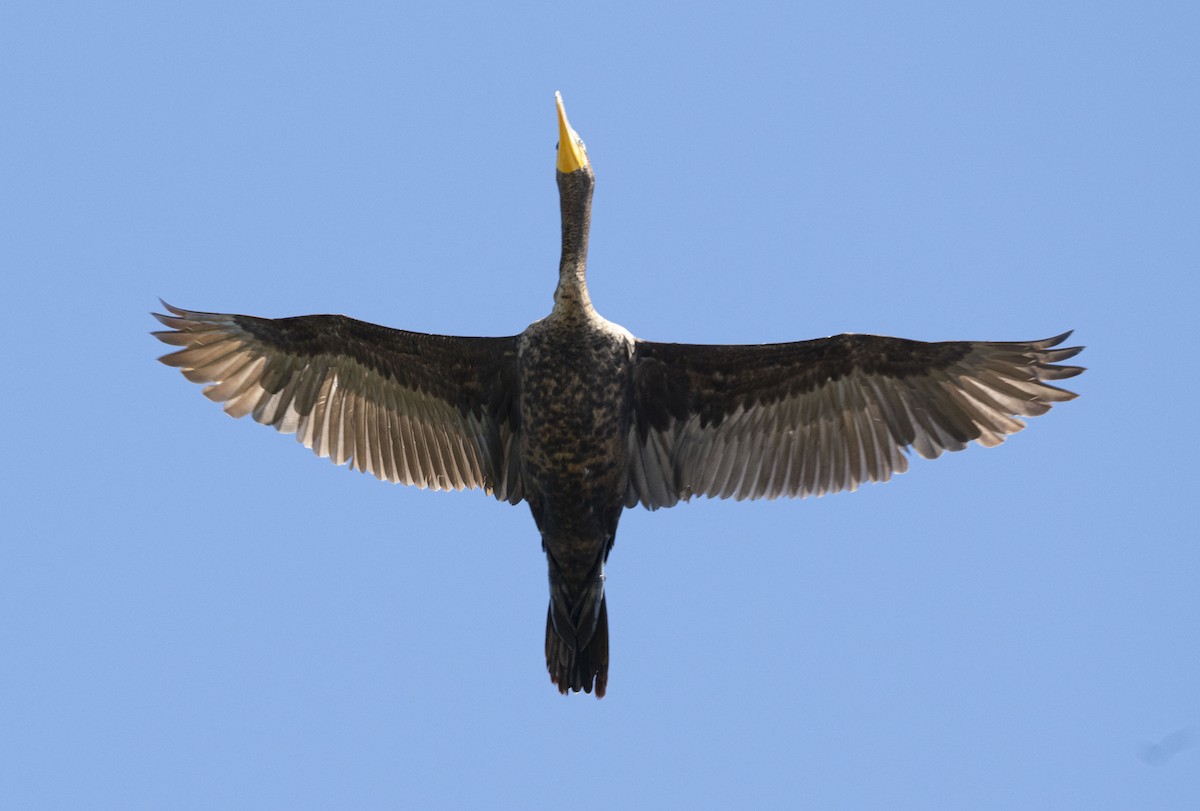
point(580, 419)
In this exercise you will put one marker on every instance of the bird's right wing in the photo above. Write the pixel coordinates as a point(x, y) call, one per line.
point(433, 411)
point(813, 417)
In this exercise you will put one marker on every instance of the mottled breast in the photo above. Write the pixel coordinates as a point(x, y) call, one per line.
point(575, 405)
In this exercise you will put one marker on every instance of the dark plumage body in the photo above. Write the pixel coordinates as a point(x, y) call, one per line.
point(576, 378)
point(580, 419)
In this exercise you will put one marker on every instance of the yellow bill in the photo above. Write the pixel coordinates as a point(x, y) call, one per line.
point(571, 155)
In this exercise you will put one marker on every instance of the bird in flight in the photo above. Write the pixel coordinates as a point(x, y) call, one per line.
point(579, 419)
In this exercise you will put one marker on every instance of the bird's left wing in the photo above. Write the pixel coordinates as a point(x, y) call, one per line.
point(814, 417)
point(429, 410)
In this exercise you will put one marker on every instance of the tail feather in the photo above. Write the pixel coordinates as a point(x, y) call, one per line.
point(582, 669)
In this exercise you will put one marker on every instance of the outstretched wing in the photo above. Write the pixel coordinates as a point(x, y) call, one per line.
point(816, 417)
point(430, 410)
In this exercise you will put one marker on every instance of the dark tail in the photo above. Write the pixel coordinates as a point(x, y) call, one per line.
point(572, 669)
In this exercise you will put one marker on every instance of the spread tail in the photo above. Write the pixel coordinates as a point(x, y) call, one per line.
point(572, 669)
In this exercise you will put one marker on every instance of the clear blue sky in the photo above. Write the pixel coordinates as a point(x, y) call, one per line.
point(197, 613)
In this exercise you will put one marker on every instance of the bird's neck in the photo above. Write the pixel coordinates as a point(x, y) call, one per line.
point(571, 299)
point(571, 296)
